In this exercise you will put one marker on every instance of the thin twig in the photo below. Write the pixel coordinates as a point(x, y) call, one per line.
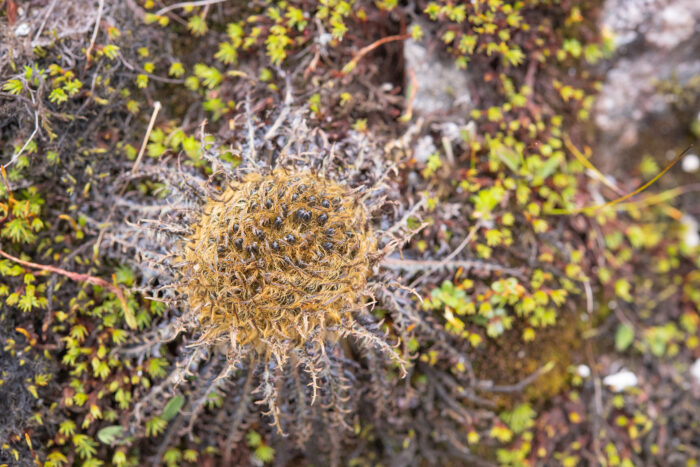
point(78, 277)
point(464, 243)
point(88, 52)
point(517, 387)
point(412, 90)
point(156, 109)
point(175, 6)
point(450, 257)
point(589, 296)
point(140, 70)
point(583, 159)
point(272, 132)
point(251, 131)
point(418, 264)
point(592, 210)
point(405, 218)
point(43, 23)
point(365, 50)
point(597, 398)
point(31, 137)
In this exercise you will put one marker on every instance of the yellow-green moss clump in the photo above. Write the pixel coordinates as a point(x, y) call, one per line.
point(277, 259)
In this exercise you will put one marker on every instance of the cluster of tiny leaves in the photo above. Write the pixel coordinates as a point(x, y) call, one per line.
point(499, 29)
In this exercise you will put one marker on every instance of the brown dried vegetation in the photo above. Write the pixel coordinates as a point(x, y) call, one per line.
point(277, 257)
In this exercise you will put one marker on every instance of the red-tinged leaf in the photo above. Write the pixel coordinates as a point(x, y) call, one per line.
point(11, 10)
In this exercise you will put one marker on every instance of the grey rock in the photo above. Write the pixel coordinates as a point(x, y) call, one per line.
point(441, 86)
point(657, 40)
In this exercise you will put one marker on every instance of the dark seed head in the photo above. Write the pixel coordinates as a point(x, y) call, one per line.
point(303, 215)
point(295, 258)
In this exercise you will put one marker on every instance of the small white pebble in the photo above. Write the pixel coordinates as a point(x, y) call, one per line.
point(325, 38)
point(695, 371)
point(451, 131)
point(621, 380)
point(690, 163)
point(22, 30)
point(583, 371)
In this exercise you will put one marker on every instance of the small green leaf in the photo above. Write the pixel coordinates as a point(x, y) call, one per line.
point(265, 453)
point(548, 168)
point(623, 337)
point(155, 426)
point(176, 70)
point(110, 434)
point(58, 96)
point(124, 276)
point(509, 157)
point(172, 408)
point(111, 51)
point(141, 81)
point(197, 25)
point(254, 439)
point(14, 86)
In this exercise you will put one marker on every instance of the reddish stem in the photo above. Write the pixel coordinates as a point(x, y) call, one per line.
point(78, 277)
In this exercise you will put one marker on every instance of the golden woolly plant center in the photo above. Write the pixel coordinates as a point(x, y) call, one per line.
point(278, 259)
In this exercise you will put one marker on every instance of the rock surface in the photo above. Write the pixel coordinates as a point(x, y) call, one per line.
point(441, 86)
point(657, 42)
